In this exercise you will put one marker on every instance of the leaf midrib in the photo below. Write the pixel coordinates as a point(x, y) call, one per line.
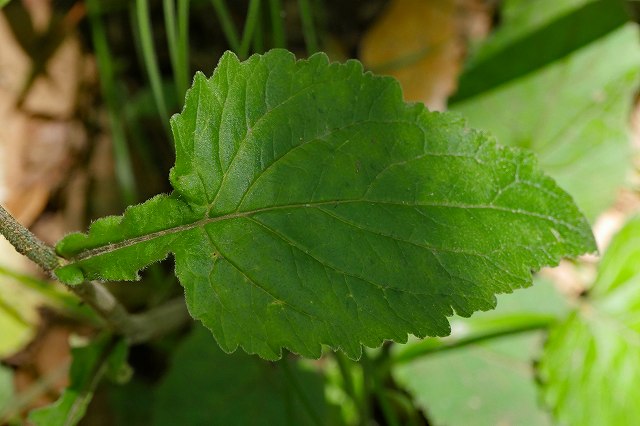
point(108, 248)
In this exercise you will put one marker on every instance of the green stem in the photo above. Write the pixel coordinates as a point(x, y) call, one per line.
point(291, 379)
point(390, 415)
point(253, 14)
point(277, 23)
point(308, 29)
point(345, 370)
point(26, 243)
point(86, 389)
point(367, 388)
point(475, 331)
point(228, 27)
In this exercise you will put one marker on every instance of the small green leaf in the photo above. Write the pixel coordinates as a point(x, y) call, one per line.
point(205, 386)
point(591, 364)
point(103, 355)
point(312, 206)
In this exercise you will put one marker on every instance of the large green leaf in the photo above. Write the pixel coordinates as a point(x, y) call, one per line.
point(591, 364)
point(312, 206)
point(573, 112)
point(205, 386)
point(104, 356)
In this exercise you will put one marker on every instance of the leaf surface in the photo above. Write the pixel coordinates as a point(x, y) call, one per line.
point(206, 386)
point(591, 364)
point(312, 206)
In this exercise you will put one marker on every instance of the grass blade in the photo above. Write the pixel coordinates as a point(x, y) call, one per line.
point(308, 29)
point(143, 20)
point(277, 23)
point(228, 28)
point(253, 15)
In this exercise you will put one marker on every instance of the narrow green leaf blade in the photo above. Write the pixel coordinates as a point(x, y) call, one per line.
point(312, 206)
point(206, 386)
point(591, 364)
point(500, 63)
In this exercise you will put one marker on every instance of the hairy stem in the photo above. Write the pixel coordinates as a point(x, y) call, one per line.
point(136, 328)
point(26, 243)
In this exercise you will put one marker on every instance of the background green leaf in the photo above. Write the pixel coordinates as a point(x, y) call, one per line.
point(312, 206)
point(485, 383)
point(591, 364)
point(534, 34)
point(206, 386)
point(573, 111)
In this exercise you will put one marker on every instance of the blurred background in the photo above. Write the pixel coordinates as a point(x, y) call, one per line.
point(86, 91)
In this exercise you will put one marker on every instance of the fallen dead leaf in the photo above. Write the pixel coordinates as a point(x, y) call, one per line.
point(422, 44)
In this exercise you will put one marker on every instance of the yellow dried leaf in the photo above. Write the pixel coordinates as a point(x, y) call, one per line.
point(416, 41)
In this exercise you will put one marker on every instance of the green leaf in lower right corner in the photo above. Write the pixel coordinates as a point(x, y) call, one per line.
point(205, 386)
point(489, 381)
point(590, 369)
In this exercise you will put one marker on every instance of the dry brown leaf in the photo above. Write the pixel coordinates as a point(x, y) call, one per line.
point(422, 44)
